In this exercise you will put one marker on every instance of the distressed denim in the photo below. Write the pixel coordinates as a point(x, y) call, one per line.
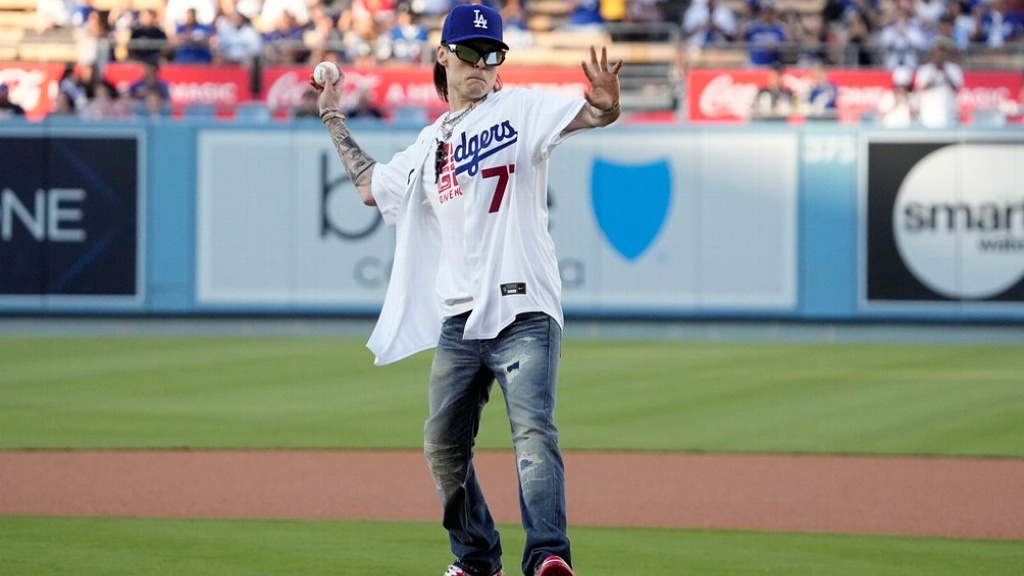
point(523, 359)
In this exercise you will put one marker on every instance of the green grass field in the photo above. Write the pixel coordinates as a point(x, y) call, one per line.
point(115, 547)
point(668, 396)
point(215, 392)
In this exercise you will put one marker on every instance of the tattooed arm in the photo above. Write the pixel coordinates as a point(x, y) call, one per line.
point(357, 162)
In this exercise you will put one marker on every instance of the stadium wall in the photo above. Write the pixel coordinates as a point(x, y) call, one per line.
point(770, 221)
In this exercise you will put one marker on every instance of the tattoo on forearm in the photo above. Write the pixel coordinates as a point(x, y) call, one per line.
point(357, 162)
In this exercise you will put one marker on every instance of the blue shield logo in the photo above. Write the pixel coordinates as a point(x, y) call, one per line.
point(631, 203)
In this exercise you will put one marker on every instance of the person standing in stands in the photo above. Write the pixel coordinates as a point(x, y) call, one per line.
point(191, 40)
point(765, 35)
point(937, 83)
point(148, 40)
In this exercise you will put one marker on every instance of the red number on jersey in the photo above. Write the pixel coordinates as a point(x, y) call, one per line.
point(502, 174)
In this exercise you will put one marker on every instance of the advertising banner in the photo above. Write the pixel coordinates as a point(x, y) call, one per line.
point(279, 222)
point(32, 85)
point(649, 224)
point(398, 87)
point(716, 96)
point(943, 223)
point(727, 96)
point(70, 213)
point(222, 86)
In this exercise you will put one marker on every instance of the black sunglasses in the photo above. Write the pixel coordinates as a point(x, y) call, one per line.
point(470, 55)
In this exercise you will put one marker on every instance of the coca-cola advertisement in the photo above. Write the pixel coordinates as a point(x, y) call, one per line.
point(283, 86)
point(32, 85)
point(727, 96)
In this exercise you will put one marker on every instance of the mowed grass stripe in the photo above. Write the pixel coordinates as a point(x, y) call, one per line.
point(111, 547)
point(269, 392)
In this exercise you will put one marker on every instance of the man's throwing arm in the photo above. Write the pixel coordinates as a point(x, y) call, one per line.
point(357, 162)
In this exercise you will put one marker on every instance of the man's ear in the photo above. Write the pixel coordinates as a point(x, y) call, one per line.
point(442, 55)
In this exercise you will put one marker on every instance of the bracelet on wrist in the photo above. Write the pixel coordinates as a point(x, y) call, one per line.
point(331, 114)
point(609, 112)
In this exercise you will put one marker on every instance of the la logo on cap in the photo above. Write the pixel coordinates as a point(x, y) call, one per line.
point(479, 21)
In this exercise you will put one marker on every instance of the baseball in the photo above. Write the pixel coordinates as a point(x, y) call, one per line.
point(326, 73)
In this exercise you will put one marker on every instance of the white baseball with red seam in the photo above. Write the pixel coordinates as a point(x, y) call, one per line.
point(326, 73)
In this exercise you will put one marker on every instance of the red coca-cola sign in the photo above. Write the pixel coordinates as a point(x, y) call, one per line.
point(724, 96)
point(32, 85)
point(283, 86)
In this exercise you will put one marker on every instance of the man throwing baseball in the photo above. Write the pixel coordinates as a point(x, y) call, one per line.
point(476, 277)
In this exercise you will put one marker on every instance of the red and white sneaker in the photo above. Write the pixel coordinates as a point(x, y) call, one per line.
point(554, 566)
point(454, 570)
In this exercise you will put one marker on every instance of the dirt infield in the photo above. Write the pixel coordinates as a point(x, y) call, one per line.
point(962, 498)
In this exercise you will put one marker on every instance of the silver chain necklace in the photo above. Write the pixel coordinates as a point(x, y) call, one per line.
point(449, 123)
point(447, 128)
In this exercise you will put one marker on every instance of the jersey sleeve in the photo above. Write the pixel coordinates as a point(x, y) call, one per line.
point(390, 183)
point(545, 116)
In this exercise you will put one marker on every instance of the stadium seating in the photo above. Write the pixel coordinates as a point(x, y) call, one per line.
point(653, 51)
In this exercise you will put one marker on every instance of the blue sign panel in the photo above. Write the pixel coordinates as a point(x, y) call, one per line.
point(69, 209)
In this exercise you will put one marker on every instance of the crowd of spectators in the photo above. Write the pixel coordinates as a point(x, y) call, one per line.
point(921, 43)
point(875, 33)
point(248, 33)
point(897, 35)
point(84, 93)
point(242, 31)
point(253, 33)
point(887, 33)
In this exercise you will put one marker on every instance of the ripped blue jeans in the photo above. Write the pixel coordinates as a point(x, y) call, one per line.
point(523, 359)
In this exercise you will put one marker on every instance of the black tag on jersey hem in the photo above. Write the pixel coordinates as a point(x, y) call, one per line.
point(513, 288)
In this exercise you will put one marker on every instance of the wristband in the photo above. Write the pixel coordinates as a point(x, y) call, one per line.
point(331, 114)
point(609, 112)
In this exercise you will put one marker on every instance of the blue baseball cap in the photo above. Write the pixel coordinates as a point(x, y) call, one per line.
point(472, 22)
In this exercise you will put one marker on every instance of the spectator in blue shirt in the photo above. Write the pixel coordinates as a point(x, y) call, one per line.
point(406, 40)
point(79, 13)
point(285, 43)
point(765, 35)
point(585, 14)
point(150, 80)
point(192, 40)
point(821, 98)
point(994, 28)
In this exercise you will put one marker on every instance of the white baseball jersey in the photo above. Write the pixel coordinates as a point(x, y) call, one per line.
point(477, 239)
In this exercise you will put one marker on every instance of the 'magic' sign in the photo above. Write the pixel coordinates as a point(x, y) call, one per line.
point(69, 216)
